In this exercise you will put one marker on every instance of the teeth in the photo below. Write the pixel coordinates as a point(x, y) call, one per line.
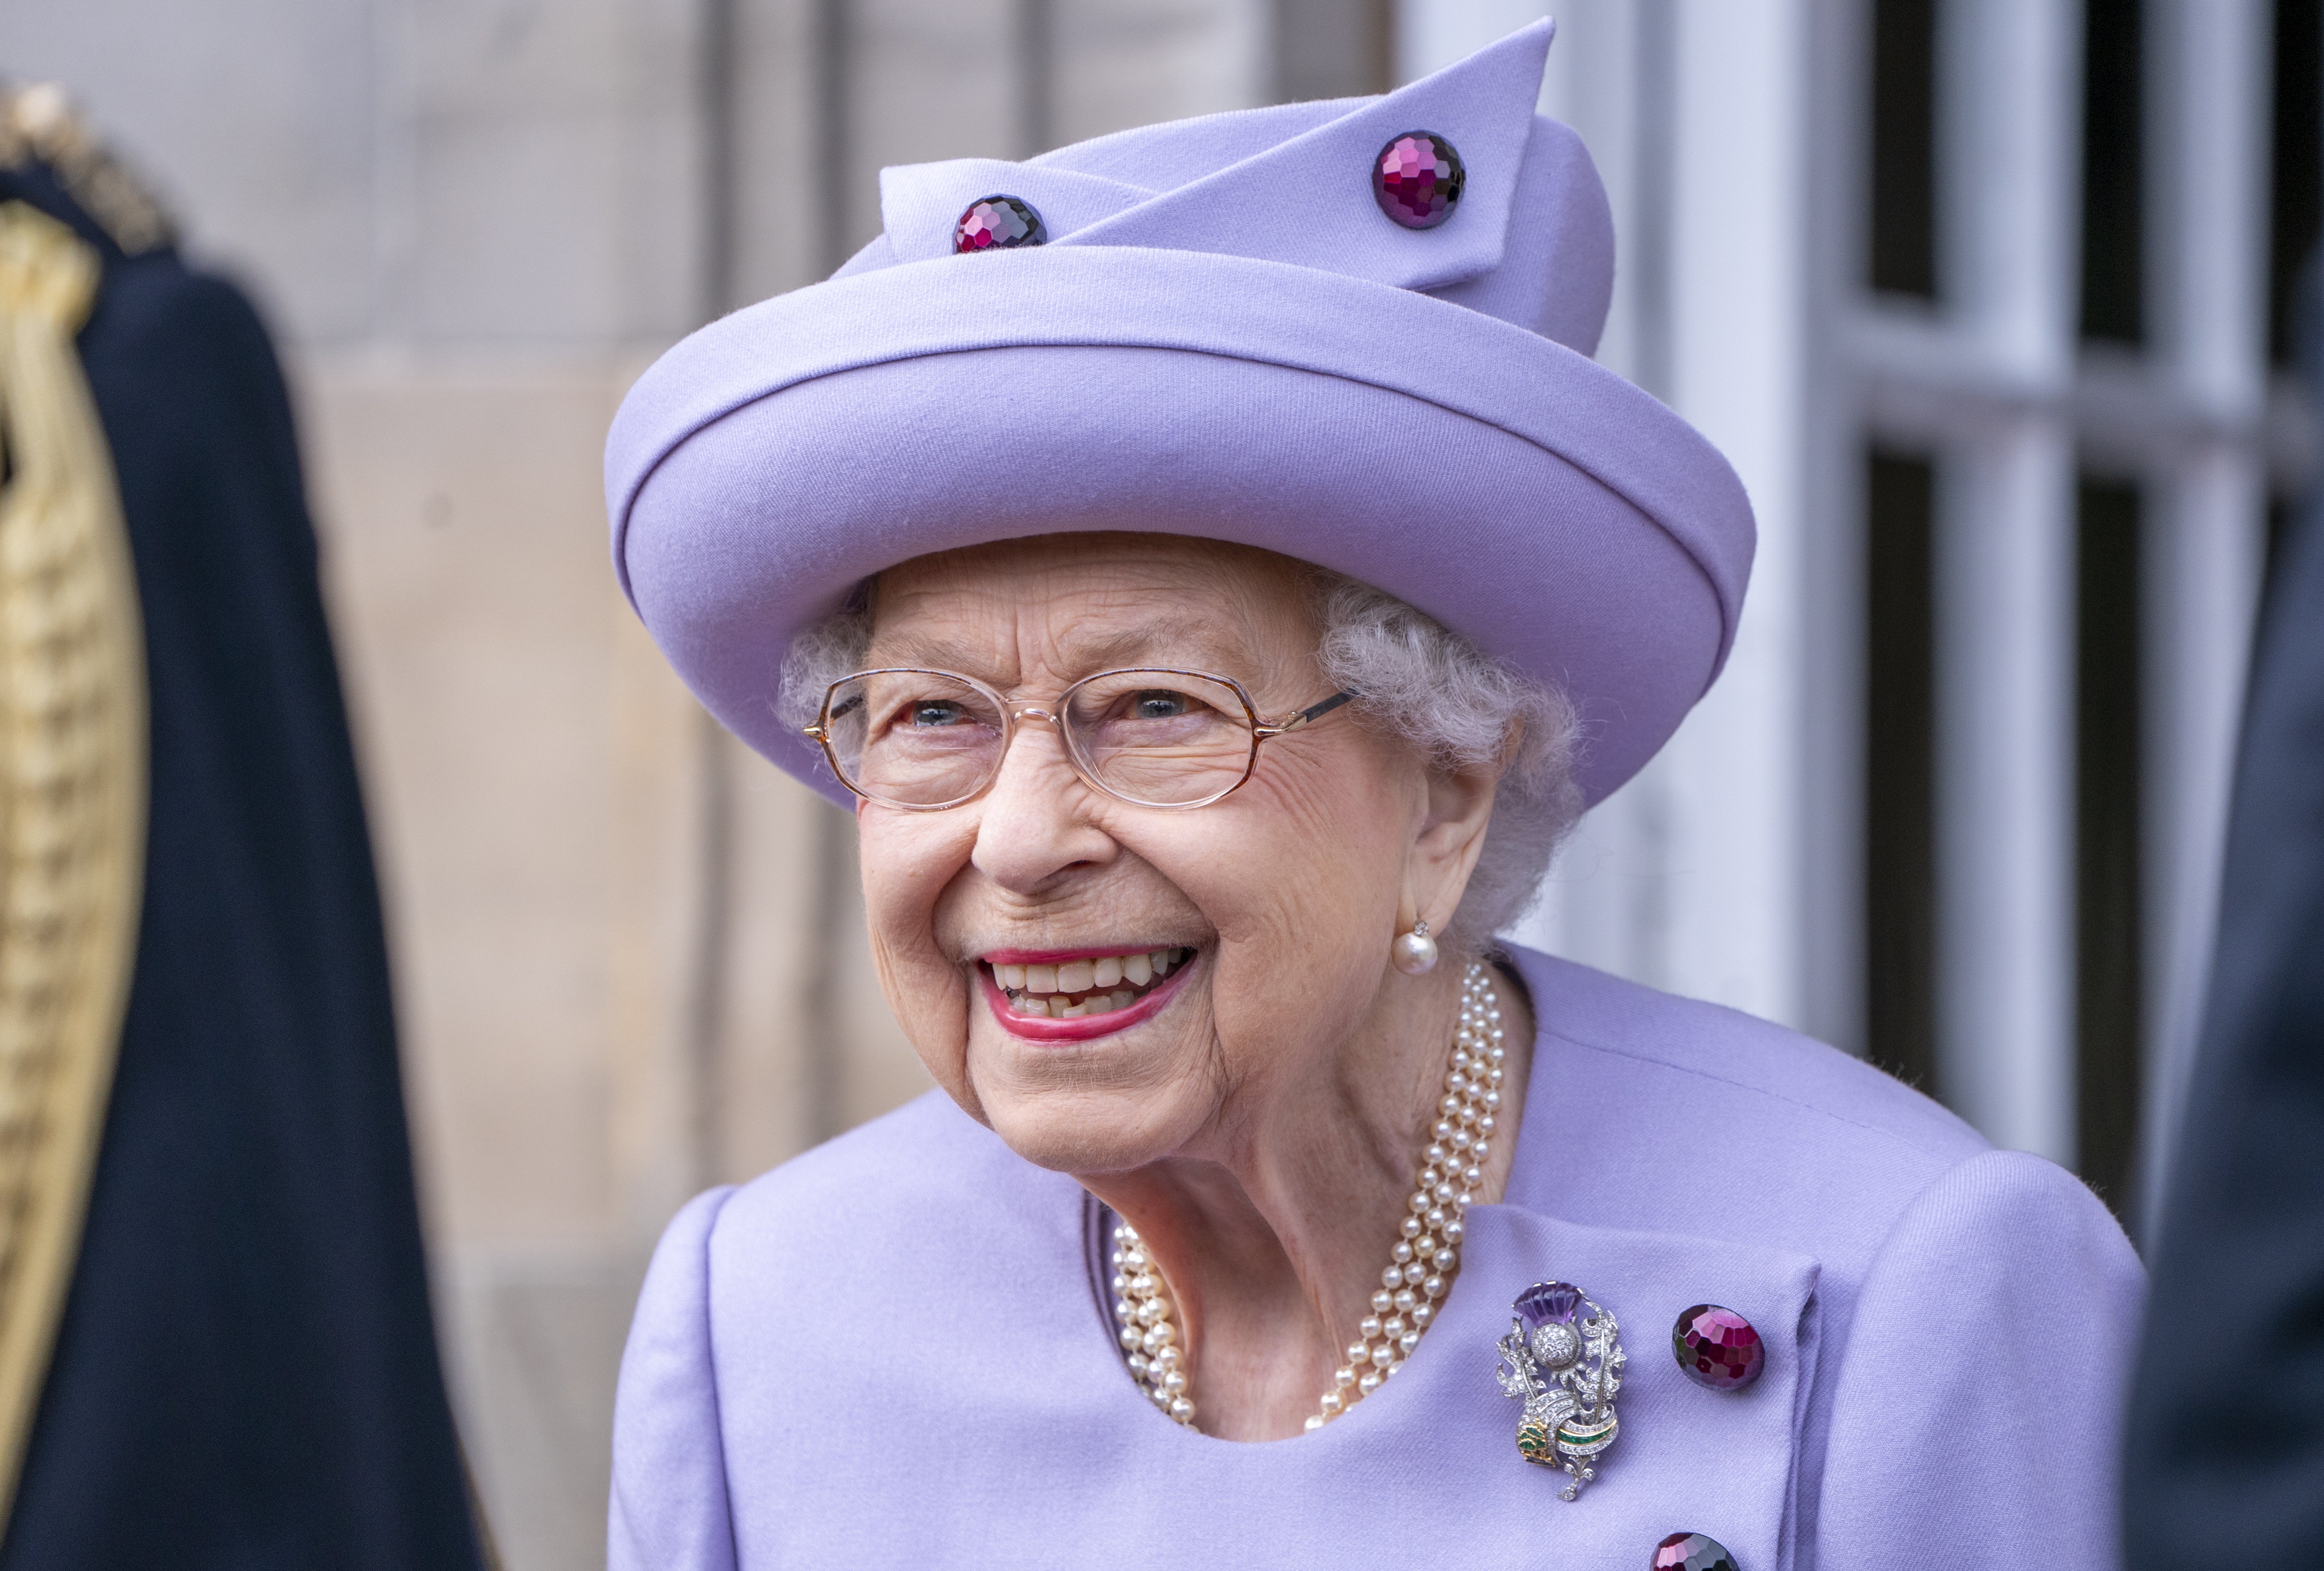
point(1103, 984)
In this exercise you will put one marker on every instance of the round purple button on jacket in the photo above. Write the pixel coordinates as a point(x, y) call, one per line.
point(1693, 1552)
point(1719, 1349)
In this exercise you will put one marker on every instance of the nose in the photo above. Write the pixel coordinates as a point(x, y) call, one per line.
point(1033, 823)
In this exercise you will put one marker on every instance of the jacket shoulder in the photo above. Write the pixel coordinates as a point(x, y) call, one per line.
point(1748, 1060)
point(927, 1165)
point(1701, 1118)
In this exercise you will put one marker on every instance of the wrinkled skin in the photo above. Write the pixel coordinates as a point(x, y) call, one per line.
point(1262, 1129)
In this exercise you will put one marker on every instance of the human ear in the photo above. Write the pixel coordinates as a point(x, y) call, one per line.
point(1457, 808)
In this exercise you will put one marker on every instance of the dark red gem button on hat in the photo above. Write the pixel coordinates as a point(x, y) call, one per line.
point(1418, 179)
point(1693, 1552)
point(1719, 1349)
point(997, 223)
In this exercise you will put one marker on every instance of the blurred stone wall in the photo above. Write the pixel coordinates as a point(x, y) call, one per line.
point(628, 955)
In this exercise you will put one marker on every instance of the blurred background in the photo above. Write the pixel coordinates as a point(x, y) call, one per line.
point(1985, 298)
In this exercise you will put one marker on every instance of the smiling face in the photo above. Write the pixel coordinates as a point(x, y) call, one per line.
point(1108, 984)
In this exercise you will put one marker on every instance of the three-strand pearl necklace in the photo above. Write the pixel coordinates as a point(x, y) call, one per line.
point(1421, 1267)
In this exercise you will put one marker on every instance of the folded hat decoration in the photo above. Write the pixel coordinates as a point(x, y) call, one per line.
point(1285, 200)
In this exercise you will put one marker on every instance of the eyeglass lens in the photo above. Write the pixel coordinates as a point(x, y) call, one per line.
point(926, 739)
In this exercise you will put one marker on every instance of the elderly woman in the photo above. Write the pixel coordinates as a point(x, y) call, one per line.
point(1209, 562)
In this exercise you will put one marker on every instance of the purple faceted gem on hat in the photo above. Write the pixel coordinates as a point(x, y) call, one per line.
point(1544, 1302)
point(1417, 180)
point(1717, 1348)
point(1693, 1552)
point(997, 223)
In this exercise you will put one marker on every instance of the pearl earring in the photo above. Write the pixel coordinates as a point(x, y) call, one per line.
point(1414, 953)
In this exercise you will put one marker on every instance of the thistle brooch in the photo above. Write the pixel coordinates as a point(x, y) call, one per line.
point(1562, 1360)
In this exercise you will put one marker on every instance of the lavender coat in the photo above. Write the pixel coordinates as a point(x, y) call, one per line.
point(896, 1349)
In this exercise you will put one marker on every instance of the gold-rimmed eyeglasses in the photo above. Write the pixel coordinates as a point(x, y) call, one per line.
point(1150, 736)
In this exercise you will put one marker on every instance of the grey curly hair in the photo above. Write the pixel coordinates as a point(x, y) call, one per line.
point(1419, 681)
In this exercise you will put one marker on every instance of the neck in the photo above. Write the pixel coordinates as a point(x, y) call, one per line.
point(1273, 1233)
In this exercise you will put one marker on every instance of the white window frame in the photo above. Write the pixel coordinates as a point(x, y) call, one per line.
point(1997, 388)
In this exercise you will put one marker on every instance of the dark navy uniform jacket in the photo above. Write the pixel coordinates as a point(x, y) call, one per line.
point(245, 1374)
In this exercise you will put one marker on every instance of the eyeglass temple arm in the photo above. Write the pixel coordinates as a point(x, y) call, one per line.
point(818, 731)
point(1313, 712)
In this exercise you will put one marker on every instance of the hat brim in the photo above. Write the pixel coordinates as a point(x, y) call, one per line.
point(1523, 496)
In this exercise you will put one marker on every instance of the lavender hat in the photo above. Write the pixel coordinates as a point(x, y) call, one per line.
point(1224, 335)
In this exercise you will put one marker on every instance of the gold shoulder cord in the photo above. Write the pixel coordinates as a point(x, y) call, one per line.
point(38, 125)
point(72, 795)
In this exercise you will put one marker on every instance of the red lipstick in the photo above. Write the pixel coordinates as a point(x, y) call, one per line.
point(1085, 1028)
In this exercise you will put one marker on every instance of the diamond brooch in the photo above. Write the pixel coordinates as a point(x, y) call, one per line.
point(1562, 1358)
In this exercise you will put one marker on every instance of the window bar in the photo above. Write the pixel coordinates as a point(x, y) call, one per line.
point(2005, 731)
point(2010, 92)
point(2205, 531)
